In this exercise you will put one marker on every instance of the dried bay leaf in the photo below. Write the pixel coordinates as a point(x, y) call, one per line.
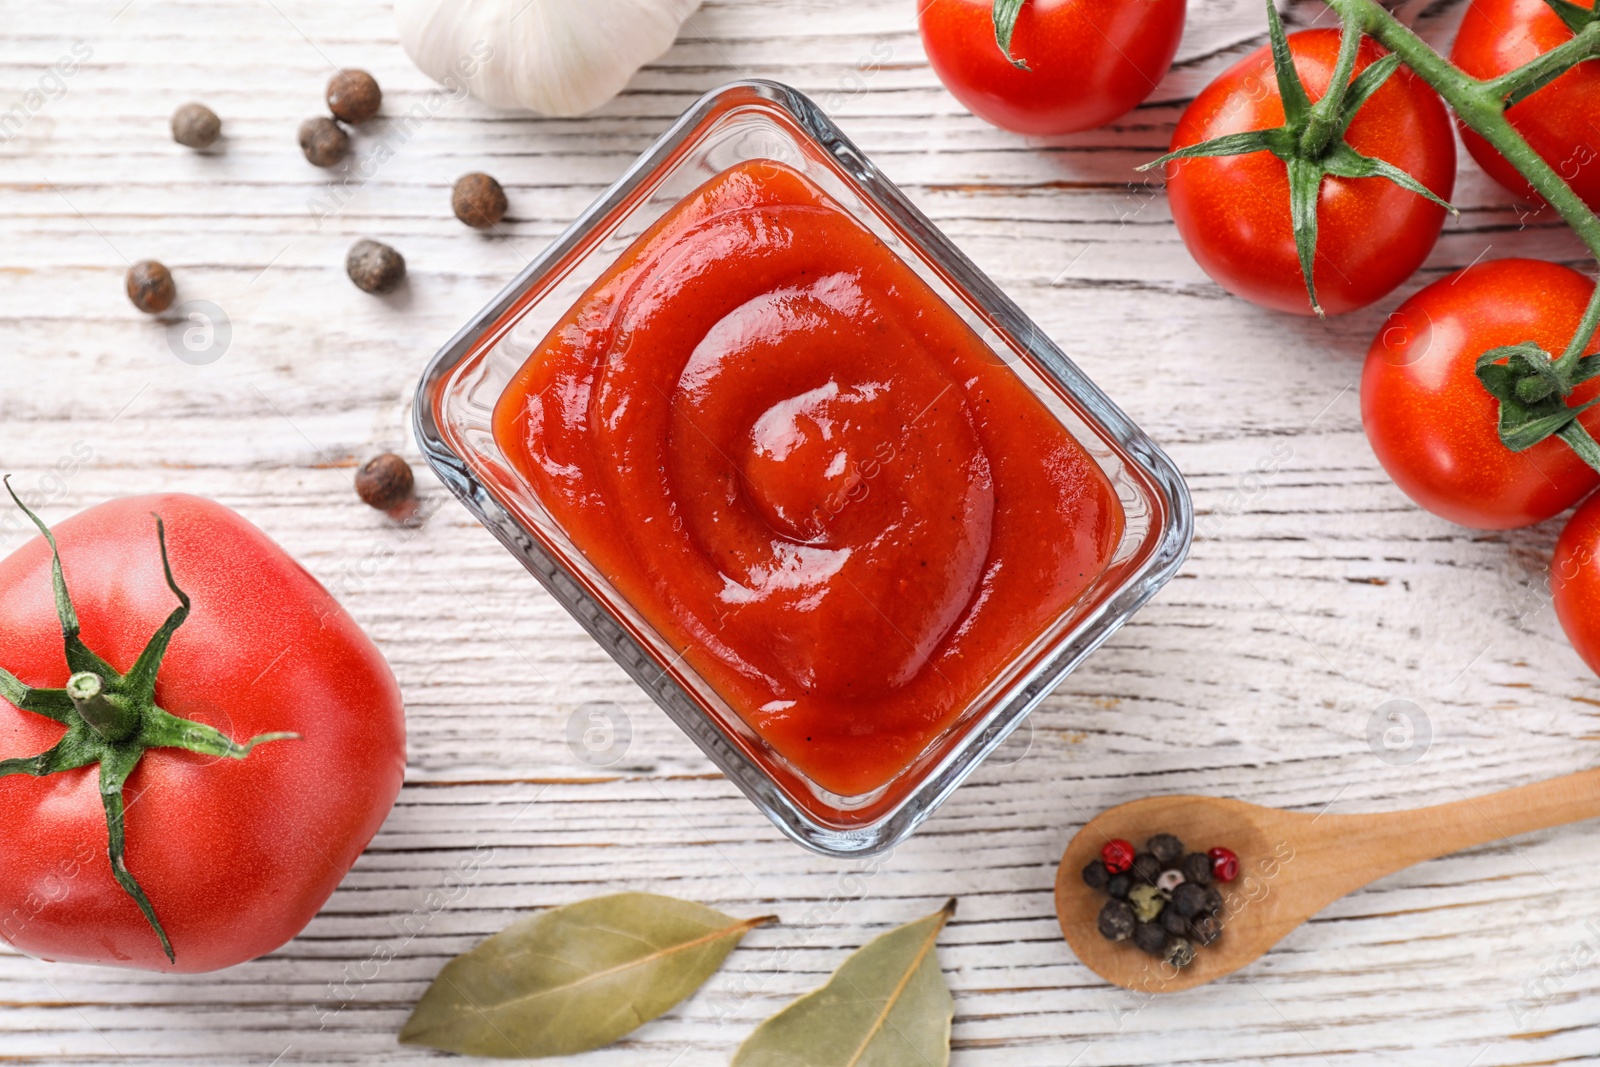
point(574, 978)
point(886, 1006)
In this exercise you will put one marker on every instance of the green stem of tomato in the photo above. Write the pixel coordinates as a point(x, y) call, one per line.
point(112, 720)
point(1516, 85)
point(1481, 106)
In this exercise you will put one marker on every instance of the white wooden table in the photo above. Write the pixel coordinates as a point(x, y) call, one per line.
point(1315, 593)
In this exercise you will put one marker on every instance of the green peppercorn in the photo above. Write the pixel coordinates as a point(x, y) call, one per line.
point(1147, 902)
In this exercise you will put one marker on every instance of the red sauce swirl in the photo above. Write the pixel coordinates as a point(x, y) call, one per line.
point(807, 473)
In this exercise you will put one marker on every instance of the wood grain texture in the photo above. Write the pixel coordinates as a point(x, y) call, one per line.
point(1315, 593)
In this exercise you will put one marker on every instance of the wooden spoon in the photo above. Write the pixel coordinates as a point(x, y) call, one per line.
point(1291, 865)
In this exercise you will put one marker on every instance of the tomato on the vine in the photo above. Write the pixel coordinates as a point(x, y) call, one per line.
point(186, 786)
point(1560, 121)
point(1086, 61)
point(1234, 213)
point(1575, 581)
point(1432, 423)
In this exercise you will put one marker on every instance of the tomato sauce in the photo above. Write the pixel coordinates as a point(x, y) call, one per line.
point(807, 473)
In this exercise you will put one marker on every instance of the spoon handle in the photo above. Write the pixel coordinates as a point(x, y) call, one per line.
point(1399, 839)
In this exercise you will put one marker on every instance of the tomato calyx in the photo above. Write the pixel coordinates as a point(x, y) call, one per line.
point(1532, 388)
point(1005, 24)
point(1311, 142)
point(112, 719)
point(1575, 16)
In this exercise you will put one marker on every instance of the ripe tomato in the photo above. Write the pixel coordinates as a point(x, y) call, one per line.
point(1561, 121)
point(1233, 211)
point(1089, 61)
point(1575, 581)
point(1432, 423)
point(235, 855)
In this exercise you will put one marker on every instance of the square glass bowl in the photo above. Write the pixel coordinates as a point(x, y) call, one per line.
point(765, 120)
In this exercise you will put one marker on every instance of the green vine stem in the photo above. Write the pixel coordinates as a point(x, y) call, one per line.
point(1482, 106)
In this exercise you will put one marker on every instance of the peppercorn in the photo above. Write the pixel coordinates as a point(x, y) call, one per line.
point(385, 481)
point(1116, 921)
point(1189, 899)
point(1224, 864)
point(354, 96)
point(1117, 855)
point(323, 141)
point(1165, 848)
point(1178, 952)
point(1119, 885)
point(1214, 904)
point(1174, 923)
point(1170, 880)
point(150, 287)
point(1147, 902)
point(1151, 938)
point(1146, 869)
point(1197, 868)
point(478, 201)
point(1095, 876)
point(374, 266)
point(195, 126)
point(1205, 929)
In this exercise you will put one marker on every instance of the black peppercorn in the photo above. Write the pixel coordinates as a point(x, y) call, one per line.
point(385, 482)
point(1197, 868)
point(1146, 869)
point(1151, 938)
point(1189, 899)
point(323, 141)
point(354, 96)
point(478, 201)
point(195, 126)
point(1165, 848)
point(1095, 876)
point(150, 287)
point(1116, 921)
point(1119, 885)
point(374, 266)
point(1214, 904)
point(1179, 953)
point(1204, 929)
point(1173, 922)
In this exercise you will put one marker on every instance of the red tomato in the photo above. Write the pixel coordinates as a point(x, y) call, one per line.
point(1089, 61)
point(1233, 211)
point(1561, 121)
point(1432, 423)
point(1575, 581)
point(235, 856)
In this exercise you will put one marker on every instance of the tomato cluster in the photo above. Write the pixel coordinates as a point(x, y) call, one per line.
point(1306, 220)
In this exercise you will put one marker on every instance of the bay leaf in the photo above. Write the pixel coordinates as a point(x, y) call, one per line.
point(886, 1006)
point(574, 978)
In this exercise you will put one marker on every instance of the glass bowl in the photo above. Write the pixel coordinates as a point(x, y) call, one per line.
point(754, 120)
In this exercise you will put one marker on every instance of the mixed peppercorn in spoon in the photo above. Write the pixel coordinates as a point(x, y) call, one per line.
point(1162, 899)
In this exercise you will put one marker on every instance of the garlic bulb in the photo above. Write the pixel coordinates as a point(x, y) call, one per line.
point(557, 57)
